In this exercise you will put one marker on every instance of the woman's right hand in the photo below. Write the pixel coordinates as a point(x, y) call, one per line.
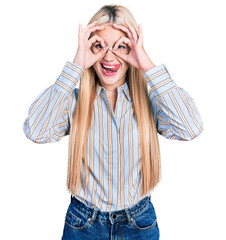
point(84, 57)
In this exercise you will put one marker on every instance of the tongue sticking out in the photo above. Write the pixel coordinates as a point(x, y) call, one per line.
point(110, 70)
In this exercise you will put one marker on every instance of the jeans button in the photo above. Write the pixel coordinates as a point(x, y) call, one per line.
point(114, 216)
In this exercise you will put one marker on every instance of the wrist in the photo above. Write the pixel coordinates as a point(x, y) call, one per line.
point(147, 67)
point(146, 64)
point(77, 62)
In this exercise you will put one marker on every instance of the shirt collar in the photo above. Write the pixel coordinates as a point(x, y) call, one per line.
point(124, 87)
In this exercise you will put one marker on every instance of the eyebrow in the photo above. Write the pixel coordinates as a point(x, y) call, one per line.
point(113, 44)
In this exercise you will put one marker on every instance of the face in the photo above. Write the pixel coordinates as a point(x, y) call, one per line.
point(113, 77)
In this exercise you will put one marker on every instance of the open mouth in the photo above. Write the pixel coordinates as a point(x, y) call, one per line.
point(110, 69)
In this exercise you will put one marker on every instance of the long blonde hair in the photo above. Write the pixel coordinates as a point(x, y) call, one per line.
point(142, 108)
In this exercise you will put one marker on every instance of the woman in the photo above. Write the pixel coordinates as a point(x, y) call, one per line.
point(112, 119)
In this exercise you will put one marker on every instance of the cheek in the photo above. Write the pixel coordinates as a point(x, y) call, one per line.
point(125, 67)
point(95, 66)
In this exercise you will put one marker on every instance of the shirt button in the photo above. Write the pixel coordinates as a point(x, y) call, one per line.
point(114, 216)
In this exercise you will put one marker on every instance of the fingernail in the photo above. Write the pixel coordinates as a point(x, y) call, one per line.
point(104, 47)
point(113, 48)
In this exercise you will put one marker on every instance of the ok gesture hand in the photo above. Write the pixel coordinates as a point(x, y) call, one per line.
point(137, 56)
point(84, 56)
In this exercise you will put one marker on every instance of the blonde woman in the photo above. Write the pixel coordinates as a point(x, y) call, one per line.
point(112, 119)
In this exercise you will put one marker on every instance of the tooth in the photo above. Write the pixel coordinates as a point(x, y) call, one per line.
point(108, 66)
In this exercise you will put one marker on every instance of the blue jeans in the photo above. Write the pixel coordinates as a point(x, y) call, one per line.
point(137, 222)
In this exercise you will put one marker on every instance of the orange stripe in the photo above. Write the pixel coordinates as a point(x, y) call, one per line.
point(69, 77)
point(110, 157)
point(64, 86)
point(38, 119)
point(101, 145)
point(155, 75)
point(169, 90)
point(122, 175)
point(180, 113)
point(171, 116)
point(92, 132)
point(74, 68)
point(40, 101)
point(46, 122)
point(130, 135)
point(161, 84)
point(189, 108)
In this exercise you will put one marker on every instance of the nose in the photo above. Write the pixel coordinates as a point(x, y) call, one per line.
point(109, 55)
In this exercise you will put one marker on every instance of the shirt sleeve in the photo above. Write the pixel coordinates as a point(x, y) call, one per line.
point(51, 112)
point(175, 112)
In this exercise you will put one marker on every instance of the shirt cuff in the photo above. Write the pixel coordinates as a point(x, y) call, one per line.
point(159, 80)
point(69, 77)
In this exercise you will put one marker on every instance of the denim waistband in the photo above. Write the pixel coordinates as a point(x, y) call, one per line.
point(113, 216)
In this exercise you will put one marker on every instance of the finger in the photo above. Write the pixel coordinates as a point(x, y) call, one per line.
point(121, 55)
point(123, 29)
point(101, 53)
point(93, 29)
point(94, 39)
point(131, 29)
point(90, 25)
point(122, 40)
point(79, 31)
point(140, 40)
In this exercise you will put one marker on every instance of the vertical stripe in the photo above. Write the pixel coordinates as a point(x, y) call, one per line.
point(122, 175)
point(69, 107)
point(46, 122)
point(130, 135)
point(94, 188)
point(139, 167)
point(182, 116)
point(101, 152)
point(39, 101)
point(118, 161)
point(171, 116)
point(110, 158)
point(189, 108)
point(42, 112)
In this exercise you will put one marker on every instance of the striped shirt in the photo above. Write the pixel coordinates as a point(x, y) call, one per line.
point(114, 157)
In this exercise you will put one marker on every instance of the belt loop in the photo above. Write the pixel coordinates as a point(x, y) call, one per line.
point(128, 213)
point(94, 216)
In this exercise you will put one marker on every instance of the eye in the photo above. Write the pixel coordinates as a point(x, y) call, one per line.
point(122, 47)
point(98, 45)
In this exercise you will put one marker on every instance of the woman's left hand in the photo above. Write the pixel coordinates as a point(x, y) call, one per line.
point(137, 56)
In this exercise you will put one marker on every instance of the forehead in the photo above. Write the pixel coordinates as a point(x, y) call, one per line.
point(109, 33)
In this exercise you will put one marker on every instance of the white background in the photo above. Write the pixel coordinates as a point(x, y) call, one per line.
point(37, 38)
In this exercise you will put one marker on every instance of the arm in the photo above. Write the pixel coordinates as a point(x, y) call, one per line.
point(174, 110)
point(51, 112)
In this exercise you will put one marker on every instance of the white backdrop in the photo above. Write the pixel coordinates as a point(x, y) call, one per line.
point(37, 38)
